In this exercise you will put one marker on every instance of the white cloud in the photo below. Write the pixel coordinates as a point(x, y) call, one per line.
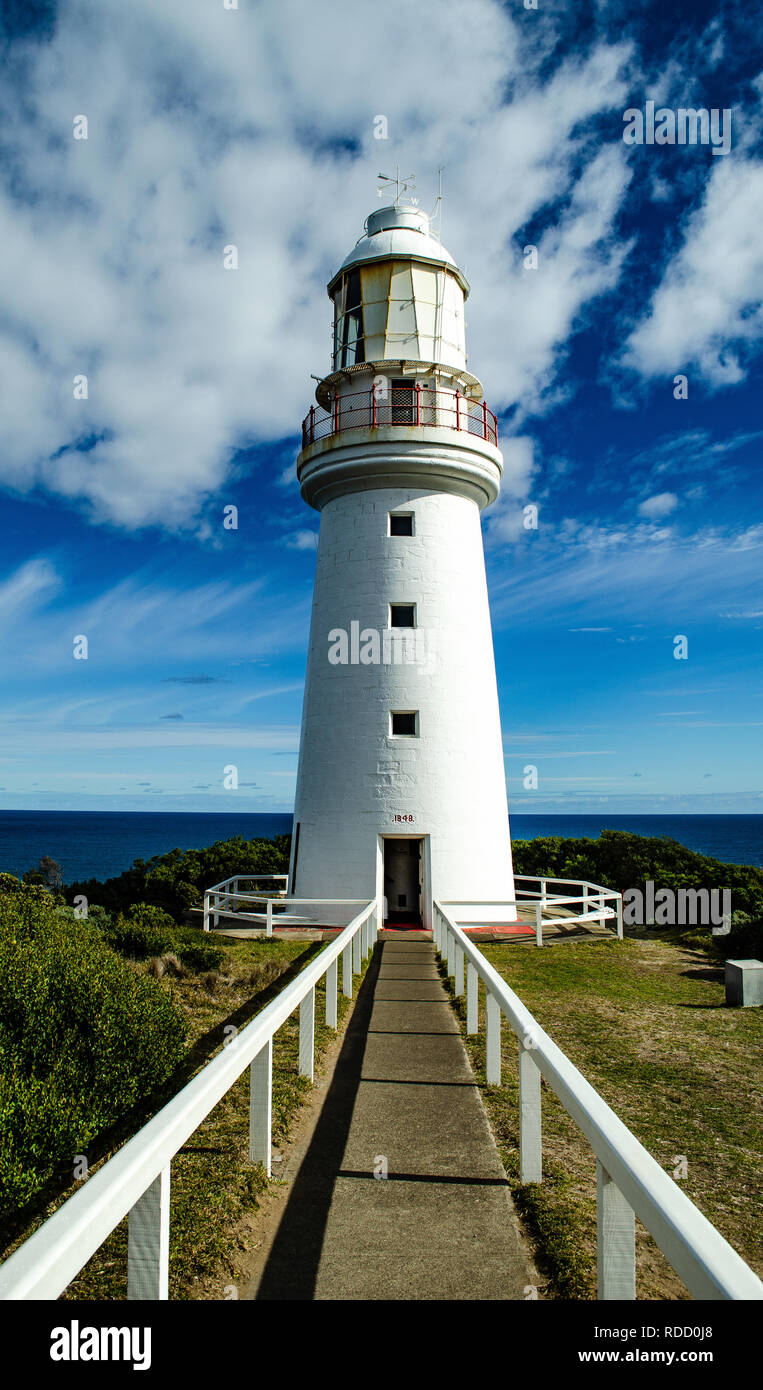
point(661, 504)
point(706, 312)
point(209, 127)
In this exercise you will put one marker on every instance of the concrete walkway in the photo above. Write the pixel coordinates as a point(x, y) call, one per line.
point(442, 1225)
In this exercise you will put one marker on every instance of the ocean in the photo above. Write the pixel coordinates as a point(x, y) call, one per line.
point(101, 844)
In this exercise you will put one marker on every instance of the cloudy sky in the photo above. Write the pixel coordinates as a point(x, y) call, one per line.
point(253, 126)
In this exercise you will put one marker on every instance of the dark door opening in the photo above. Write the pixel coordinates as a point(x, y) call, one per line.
point(402, 881)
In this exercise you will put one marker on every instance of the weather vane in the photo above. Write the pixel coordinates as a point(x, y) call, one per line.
point(401, 185)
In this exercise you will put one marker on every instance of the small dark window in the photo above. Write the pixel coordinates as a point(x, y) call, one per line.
point(404, 723)
point(402, 401)
point(402, 615)
point(401, 523)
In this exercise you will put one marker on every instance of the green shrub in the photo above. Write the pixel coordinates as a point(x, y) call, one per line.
point(199, 956)
point(147, 915)
point(137, 940)
point(619, 859)
point(176, 881)
point(83, 1038)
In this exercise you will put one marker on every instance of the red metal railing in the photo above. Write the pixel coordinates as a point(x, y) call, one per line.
point(400, 405)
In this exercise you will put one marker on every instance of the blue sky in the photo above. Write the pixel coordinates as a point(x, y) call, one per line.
point(209, 127)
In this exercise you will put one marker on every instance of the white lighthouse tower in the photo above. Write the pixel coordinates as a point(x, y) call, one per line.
point(401, 788)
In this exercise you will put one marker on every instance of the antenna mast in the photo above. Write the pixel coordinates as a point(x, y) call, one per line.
point(401, 185)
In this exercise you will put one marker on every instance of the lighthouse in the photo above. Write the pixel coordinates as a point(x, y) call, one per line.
point(401, 789)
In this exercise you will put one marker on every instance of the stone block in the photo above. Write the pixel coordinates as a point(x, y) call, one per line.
point(744, 982)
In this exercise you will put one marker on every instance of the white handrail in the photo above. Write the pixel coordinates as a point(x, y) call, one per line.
point(136, 1179)
point(629, 1180)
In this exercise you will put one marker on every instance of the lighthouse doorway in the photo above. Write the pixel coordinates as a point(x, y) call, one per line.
point(402, 880)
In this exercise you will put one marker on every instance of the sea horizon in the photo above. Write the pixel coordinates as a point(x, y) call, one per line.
point(103, 844)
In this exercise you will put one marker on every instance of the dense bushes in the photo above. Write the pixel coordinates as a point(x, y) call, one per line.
point(621, 860)
point(83, 1037)
point(176, 881)
point(147, 931)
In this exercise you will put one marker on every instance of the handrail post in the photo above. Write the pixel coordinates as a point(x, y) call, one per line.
point(458, 972)
point(217, 905)
point(472, 985)
point(331, 990)
point(585, 899)
point(530, 1146)
point(261, 1106)
point(493, 1040)
point(336, 412)
point(356, 953)
point(615, 1240)
point(307, 1035)
point(619, 909)
point(206, 912)
point(347, 971)
point(539, 924)
point(269, 918)
point(458, 409)
point(418, 403)
point(148, 1243)
point(312, 424)
point(484, 419)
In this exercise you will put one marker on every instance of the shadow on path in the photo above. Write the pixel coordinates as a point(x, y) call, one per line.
point(292, 1265)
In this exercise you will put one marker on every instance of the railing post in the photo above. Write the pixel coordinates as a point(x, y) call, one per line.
point(217, 904)
point(539, 924)
point(472, 983)
point(312, 424)
point(585, 899)
point(458, 410)
point(458, 971)
point(331, 988)
point(206, 911)
point(356, 953)
point(269, 917)
point(418, 403)
point(373, 406)
point(484, 419)
point(307, 1035)
point(530, 1149)
point(450, 946)
point(493, 1040)
point(261, 1106)
point(347, 971)
point(619, 909)
point(336, 412)
point(148, 1243)
point(615, 1240)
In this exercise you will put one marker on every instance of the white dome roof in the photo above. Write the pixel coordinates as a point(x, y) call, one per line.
point(399, 231)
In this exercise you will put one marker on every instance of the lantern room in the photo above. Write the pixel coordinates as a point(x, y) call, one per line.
point(399, 295)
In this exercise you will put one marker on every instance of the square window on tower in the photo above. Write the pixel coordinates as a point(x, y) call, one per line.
point(404, 723)
point(401, 523)
point(402, 615)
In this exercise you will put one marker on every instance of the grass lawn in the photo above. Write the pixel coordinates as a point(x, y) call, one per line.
point(213, 1182)
point(645, 1021)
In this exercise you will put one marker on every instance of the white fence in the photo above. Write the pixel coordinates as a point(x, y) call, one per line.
point(630, 1182)
point(221, 896)
point(593, 899)
point(137, 1179)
